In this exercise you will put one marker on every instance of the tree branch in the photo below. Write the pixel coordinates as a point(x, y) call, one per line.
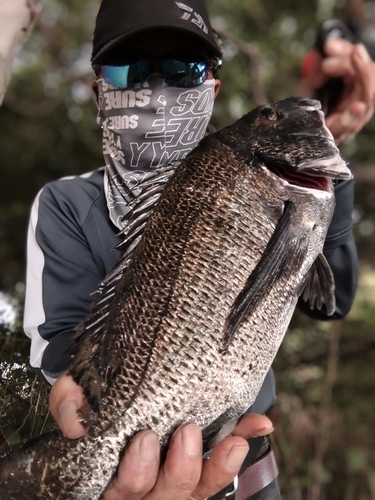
point(324, 422)
point(16, 17)
point(252, 53)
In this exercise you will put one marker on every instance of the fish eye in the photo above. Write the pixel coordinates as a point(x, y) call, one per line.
point(271, 113)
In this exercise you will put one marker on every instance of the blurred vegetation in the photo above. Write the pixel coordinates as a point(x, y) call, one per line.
point(325, 411)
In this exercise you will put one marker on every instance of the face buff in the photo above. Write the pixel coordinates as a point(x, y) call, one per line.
point(145, 128)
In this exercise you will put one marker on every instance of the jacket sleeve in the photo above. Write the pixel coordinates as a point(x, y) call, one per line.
point(61, 275)
point(341, 254)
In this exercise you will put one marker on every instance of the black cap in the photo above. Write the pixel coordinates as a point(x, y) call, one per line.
point(120, 19)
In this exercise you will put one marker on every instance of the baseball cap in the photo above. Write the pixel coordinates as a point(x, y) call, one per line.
point(118, 20)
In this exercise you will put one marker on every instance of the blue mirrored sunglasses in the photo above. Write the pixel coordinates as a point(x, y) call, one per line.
point(176, 72)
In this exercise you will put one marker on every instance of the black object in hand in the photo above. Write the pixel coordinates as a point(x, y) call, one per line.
point(330, 94)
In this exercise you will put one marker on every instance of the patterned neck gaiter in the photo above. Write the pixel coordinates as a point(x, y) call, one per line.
point(145, 128)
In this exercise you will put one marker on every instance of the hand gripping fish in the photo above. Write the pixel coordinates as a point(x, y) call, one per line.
point(185, 328)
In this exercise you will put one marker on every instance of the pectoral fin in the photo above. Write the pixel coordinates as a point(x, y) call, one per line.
point(284, 253)
point(319, 287)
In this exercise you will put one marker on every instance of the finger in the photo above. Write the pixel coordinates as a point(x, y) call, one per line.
point(356, 107)
point(361, 107)
point(342, 63)
point(348, 122)
point(338, 67)
point(338, 47)
point(138, 469)
point(227, 457)
point(180, 474)
point(253, 425)
point(222, 466)
point(365, 70)
point(66, 397)
point(337, 62)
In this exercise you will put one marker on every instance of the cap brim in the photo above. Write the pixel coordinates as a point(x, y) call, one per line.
point(212, 48)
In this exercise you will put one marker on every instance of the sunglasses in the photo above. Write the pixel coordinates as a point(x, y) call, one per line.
point(185, 71)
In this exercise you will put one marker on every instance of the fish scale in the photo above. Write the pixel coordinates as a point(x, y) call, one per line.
point(187, 324)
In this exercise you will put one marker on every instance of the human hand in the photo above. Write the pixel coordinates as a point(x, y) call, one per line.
point(183, 475)
point(353, 64)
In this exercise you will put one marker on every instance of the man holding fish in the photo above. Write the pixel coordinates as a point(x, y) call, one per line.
point(133, 41)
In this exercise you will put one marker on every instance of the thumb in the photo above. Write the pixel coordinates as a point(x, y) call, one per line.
point(66, 397)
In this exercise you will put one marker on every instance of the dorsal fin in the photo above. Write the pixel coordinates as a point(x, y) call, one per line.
point(141, 208)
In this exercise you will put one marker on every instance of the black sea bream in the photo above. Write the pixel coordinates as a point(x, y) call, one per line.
point(187, 325)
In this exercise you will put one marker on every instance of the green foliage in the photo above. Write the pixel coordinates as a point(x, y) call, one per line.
point(281, 32)
point(309, 414)
point(24, 411)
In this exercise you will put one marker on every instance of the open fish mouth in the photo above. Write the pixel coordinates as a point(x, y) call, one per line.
point(312, 174)
point(301, 179)
point(294, 143)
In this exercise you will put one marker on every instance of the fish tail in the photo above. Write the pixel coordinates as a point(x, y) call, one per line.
point(23, 468)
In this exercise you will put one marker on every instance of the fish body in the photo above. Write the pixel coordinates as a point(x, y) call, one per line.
point(187, 325)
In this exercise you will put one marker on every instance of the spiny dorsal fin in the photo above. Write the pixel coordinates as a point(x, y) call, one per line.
point(141, 208)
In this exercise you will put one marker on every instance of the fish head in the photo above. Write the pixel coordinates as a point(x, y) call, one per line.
point(296, 160)
point(291, 136)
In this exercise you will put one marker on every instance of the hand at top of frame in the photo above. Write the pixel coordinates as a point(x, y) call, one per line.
point(353, 64)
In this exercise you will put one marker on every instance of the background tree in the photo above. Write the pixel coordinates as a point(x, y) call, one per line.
point(15, 21)
point(325, 413)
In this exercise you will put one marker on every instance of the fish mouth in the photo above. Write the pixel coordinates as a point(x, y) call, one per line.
point(300, 179)
point(312, 174)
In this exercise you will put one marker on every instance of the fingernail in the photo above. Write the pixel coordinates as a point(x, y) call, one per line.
point(148, 447)
point(364, 55)
point(347, 118)
point(264, 432)
point(191, 438)
point(67, 415)
point(236, 457)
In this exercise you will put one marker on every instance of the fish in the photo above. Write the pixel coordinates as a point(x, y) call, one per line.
point(216, 252)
